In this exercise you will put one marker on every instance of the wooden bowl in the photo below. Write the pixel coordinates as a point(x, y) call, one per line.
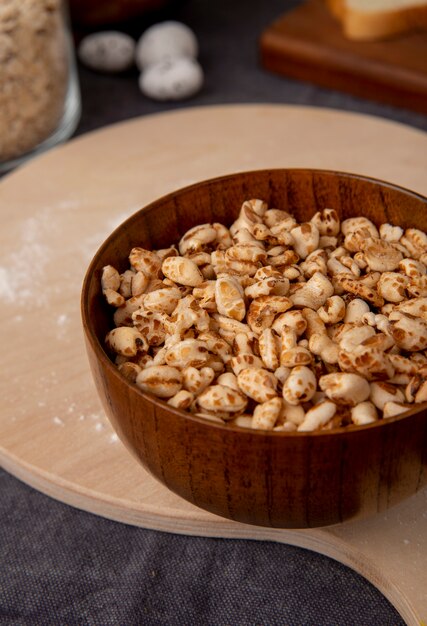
point(283, 480)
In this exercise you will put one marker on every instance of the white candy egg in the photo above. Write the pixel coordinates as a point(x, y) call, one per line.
point(107, 51)
point(172, 80)
point(166, 40)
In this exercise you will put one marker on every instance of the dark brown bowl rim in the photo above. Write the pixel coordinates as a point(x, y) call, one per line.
point(103, 356)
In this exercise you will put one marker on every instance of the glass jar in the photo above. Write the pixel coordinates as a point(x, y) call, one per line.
point(39, 92)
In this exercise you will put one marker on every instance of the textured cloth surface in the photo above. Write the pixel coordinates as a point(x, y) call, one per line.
point(63, 566)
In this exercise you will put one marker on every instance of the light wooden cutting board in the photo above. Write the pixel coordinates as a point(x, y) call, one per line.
point(58, 209)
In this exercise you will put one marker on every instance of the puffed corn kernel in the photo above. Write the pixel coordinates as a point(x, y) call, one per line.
point(162, 381)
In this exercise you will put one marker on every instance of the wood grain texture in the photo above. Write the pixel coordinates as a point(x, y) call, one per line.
point(307, 43)
point(54, 434)
point(283, 480)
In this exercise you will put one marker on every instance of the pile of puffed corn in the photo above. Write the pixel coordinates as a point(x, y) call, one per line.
point(277, 325)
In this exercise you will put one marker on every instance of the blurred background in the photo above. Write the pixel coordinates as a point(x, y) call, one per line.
point(228, 34)
point(46, 97)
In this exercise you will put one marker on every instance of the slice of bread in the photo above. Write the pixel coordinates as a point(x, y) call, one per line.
point(371, 20)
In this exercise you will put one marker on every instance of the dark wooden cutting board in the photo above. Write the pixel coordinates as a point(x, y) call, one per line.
point(307, 43)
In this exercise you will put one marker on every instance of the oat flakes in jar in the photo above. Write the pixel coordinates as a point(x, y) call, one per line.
point(39, 93)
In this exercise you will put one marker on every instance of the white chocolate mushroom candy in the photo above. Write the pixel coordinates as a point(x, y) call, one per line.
point(182, 271)
point(221, 398)
point(126, 340)
point(258, 384)
point(266, 414)
point(229, 298)
point(318, 416)
point(172, 79)
point(300, 386)
point(164, 41)
point(383, 392)
point(345, 388)
point(363, 413)
point(107, 51)
point(162, 381)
